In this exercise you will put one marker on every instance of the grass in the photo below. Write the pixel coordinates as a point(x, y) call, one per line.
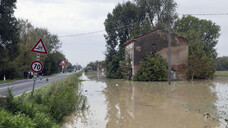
point(221, 73)
point(8, 81)
point(49, 105)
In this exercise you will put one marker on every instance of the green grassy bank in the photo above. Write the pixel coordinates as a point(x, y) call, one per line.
point(47, 107)
point(221, 73)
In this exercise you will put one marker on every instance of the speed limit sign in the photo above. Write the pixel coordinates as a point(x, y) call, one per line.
point(36, 66)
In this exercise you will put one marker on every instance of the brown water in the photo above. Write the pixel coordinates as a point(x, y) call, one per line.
point(128, 104)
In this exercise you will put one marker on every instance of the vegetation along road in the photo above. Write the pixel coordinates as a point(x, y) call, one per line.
point(21, 86)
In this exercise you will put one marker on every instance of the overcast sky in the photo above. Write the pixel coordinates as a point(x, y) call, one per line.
point(70, 17)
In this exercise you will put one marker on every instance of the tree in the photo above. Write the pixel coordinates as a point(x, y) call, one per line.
point(126, 67)
point(222, 63)
point(118, 26)
point(157, 13)
point(51, 63)
point(200, 66)
point(202, 37)
point(9, 38)
point(204, 30)
point(154, 68)
point(8, 23)
point(93, 65)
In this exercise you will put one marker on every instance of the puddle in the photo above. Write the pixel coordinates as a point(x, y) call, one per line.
point(128, 104)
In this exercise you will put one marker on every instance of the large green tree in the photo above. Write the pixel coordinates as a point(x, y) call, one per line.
point(9, 38)
point(202, 37)
point(118, 26)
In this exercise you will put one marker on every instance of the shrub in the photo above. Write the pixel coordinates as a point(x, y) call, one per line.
point(39, 113)
point(8, 120)
point(154, 68)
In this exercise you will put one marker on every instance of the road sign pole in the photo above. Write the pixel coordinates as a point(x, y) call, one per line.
point(33, 88)
point(35, 76)
point(62, 69)
point(38, 57)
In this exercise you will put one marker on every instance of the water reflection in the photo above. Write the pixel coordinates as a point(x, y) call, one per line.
point(128, 104)
point(221, 90)
point(142, 105)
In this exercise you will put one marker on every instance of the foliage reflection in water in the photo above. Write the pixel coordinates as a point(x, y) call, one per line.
point(128, 104)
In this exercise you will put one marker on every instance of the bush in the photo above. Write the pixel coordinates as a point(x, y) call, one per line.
point(154, 68)
point(8, 120)
point(37, 112)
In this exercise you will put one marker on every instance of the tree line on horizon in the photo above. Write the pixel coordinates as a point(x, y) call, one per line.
point(133, 18)
point(17, 38)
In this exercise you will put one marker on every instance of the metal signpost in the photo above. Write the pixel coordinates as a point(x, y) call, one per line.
point(37, 66)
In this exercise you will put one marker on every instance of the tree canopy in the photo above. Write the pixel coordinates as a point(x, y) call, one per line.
point(202, 38)
point(9, 38)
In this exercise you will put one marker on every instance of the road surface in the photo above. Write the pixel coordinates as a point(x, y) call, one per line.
point(21, 86)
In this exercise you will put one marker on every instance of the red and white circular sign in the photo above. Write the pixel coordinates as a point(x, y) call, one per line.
point(36, 66)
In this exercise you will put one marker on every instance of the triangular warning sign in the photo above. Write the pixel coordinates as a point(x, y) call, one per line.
point(63, 63)
point(39, 47)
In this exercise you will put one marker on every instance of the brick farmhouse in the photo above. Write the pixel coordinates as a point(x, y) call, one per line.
point(157, 41)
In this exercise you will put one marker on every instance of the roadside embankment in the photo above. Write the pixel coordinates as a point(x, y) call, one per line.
point(47, 107)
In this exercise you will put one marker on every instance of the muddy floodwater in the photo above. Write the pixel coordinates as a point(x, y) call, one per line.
point(129, 104)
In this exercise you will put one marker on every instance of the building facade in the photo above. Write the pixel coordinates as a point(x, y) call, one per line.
point(156, 41)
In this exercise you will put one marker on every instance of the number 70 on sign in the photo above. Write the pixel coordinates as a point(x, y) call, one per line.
point(36, 66)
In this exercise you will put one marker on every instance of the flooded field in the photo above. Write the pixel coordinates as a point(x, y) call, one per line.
point(128, 104)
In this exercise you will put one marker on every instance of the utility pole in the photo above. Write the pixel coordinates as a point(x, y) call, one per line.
point(169, 43)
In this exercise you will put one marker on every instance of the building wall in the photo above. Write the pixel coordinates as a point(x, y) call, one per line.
point(157, 41)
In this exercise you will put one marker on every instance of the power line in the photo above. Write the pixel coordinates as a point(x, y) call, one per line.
point(99, 31)
point(209, 14)
point(81, 34)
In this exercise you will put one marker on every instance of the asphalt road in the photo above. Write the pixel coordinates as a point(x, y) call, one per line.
point(21, 86)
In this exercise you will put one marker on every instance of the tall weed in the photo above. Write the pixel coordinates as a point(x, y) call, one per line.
point(8, 120)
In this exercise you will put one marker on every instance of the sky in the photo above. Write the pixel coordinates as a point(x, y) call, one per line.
point(73, 17)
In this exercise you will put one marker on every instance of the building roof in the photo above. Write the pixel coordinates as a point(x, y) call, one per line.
point(132, 40)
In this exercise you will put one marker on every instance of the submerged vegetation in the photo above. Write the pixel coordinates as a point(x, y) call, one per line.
point(47, 107)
